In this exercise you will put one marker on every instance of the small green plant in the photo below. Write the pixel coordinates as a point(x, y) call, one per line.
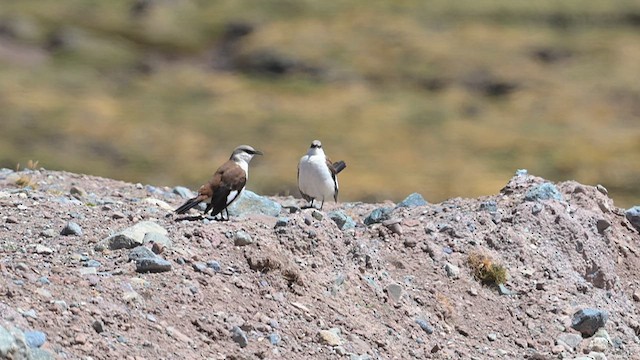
point(486, 269)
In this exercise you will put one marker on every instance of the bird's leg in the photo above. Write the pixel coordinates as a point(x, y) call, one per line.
point(321, 205)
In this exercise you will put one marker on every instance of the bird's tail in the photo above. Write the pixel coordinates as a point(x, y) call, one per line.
point(339, 166)
point(191, 203)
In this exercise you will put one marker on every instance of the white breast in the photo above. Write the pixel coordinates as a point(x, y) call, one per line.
point(315, 178)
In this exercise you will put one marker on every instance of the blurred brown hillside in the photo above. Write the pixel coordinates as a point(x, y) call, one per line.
point(443, 98)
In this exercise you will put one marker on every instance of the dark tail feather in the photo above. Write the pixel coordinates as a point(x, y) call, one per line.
point(339, 166)
point(191, 203)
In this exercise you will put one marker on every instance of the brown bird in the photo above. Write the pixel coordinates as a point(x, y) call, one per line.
point(317, 175)
point(226, 185)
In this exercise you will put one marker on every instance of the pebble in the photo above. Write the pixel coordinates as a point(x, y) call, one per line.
point(41, 249)
point(317, 215)
point(48, 233)
point(452, 270)
point(239, 336)
point(424, 325)
point(330, 337)
point(588, 321)
point(413, 200)
point(544, 191)
point(282, 222)
point(183, 192)
point(214, 265)
point(602, 225)
point(130, 237)
point(98, 326)
point(199, 267)
point(633, 215)
point(242, 238)
point(71, 228)
point(378, 215)
point(537, 208)
point(11, 220)
point(492, 337)
point(341, 219)
point(152, 265)
point(141, 252)
point(92, 264)
point(393, 225)
point(35, 339)
point(394, 291)
point(157, 238)
point(598, 344)
point(569, 341)
point(274, 339)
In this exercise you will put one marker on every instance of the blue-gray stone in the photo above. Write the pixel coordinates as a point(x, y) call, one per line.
point(44, 280)
point(152, 265)
point(490, 206)
point(141, 252)
point(522, 172)
point(536, 209)
point(18, 282)
point(92, 263)
point(252, 203)
point(242, 238)
point(212, 264)
point(424, 325)
point(35, 339)
point(633, 215)
point(282, 222)
point(132, 236)
point(239, 336)
point(157, 238)
point(502, 290)
point(71, 228)
point(412, 200)
point(341, 219)
point(378, 215)
point(543, 191)
point(274, 339)
point(588, 321)
point(183, 192)
point(199, 267)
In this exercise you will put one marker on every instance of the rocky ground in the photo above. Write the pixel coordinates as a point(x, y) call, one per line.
point(94, 268)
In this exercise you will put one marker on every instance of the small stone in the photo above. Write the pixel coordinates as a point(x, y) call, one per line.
point(71, 228)
point(636, 296)
point(588, 321)
point(633, 215)
point(490, 206)
point(157, 248)
point(157, 238)
point(492, 337)
point(81, 339)
point(341, 219)
point(11, 220)
point(43, 250)
point(502, 290)
point(522, 172)
point(153, 265)
point(603, 190)
point(394, 292)
point(132, 236)
point(452, 270)
point(212, 264)
point(199, 267)
point(183, 192)
point(282, 222)
point(544, 191)
point(92, 263)
point(329, 337)
point(98, 326)
point(393, 225)
point(424, 325)
point(473, 292)
point(242, 238)
point(569, 341)
point(77, 192)
point(274, 339)
point(378, 215)
point(557, 349)
point(141, 252)
point(602, 225)
point(537, 208)
point(317, 215)
point(413, 200)
point(48, 233)
point(599, 344)
point(239, 336)
point(35, 339)
point(252, 203)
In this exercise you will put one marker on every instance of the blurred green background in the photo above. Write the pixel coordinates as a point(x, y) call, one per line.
point(446, 98)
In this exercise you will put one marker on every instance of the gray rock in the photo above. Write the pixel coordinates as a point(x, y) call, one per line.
point(157, 238)
point(424, 325)
point(71, 228)
point(43, 250)
point(153, 265)
point(212, 264)
point(132, 236)
point(141, 252)
point(48, 233)
point(492, 337)
point(633, 215)
point(588, 321)
point(452, 270)
point(378, 215)
point(35, 339)
point(537, 208)
point(394, 291)
point(242, 238)
point(602, 225)
point(413, 200)
point(544, 191)
point(199, 267)
point(98, 326)
point(92, 263)
point(183, 192)
point(239, 337)
point(502, 290)
point(252, 203)
point(282, 222)
point(570, 341)
point(317, 215)
point(274, 339)
point(341, 219)
point(522, 172)
point(490, 206)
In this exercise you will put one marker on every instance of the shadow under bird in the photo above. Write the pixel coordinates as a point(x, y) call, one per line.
point(317, 175)
point(226, 184)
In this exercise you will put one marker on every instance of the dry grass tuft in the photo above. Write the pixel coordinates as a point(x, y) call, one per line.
point(486, 269)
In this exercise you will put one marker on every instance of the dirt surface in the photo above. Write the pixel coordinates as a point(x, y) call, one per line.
point(296, 286)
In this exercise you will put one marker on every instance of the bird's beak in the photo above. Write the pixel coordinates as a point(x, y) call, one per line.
point(257, 152)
